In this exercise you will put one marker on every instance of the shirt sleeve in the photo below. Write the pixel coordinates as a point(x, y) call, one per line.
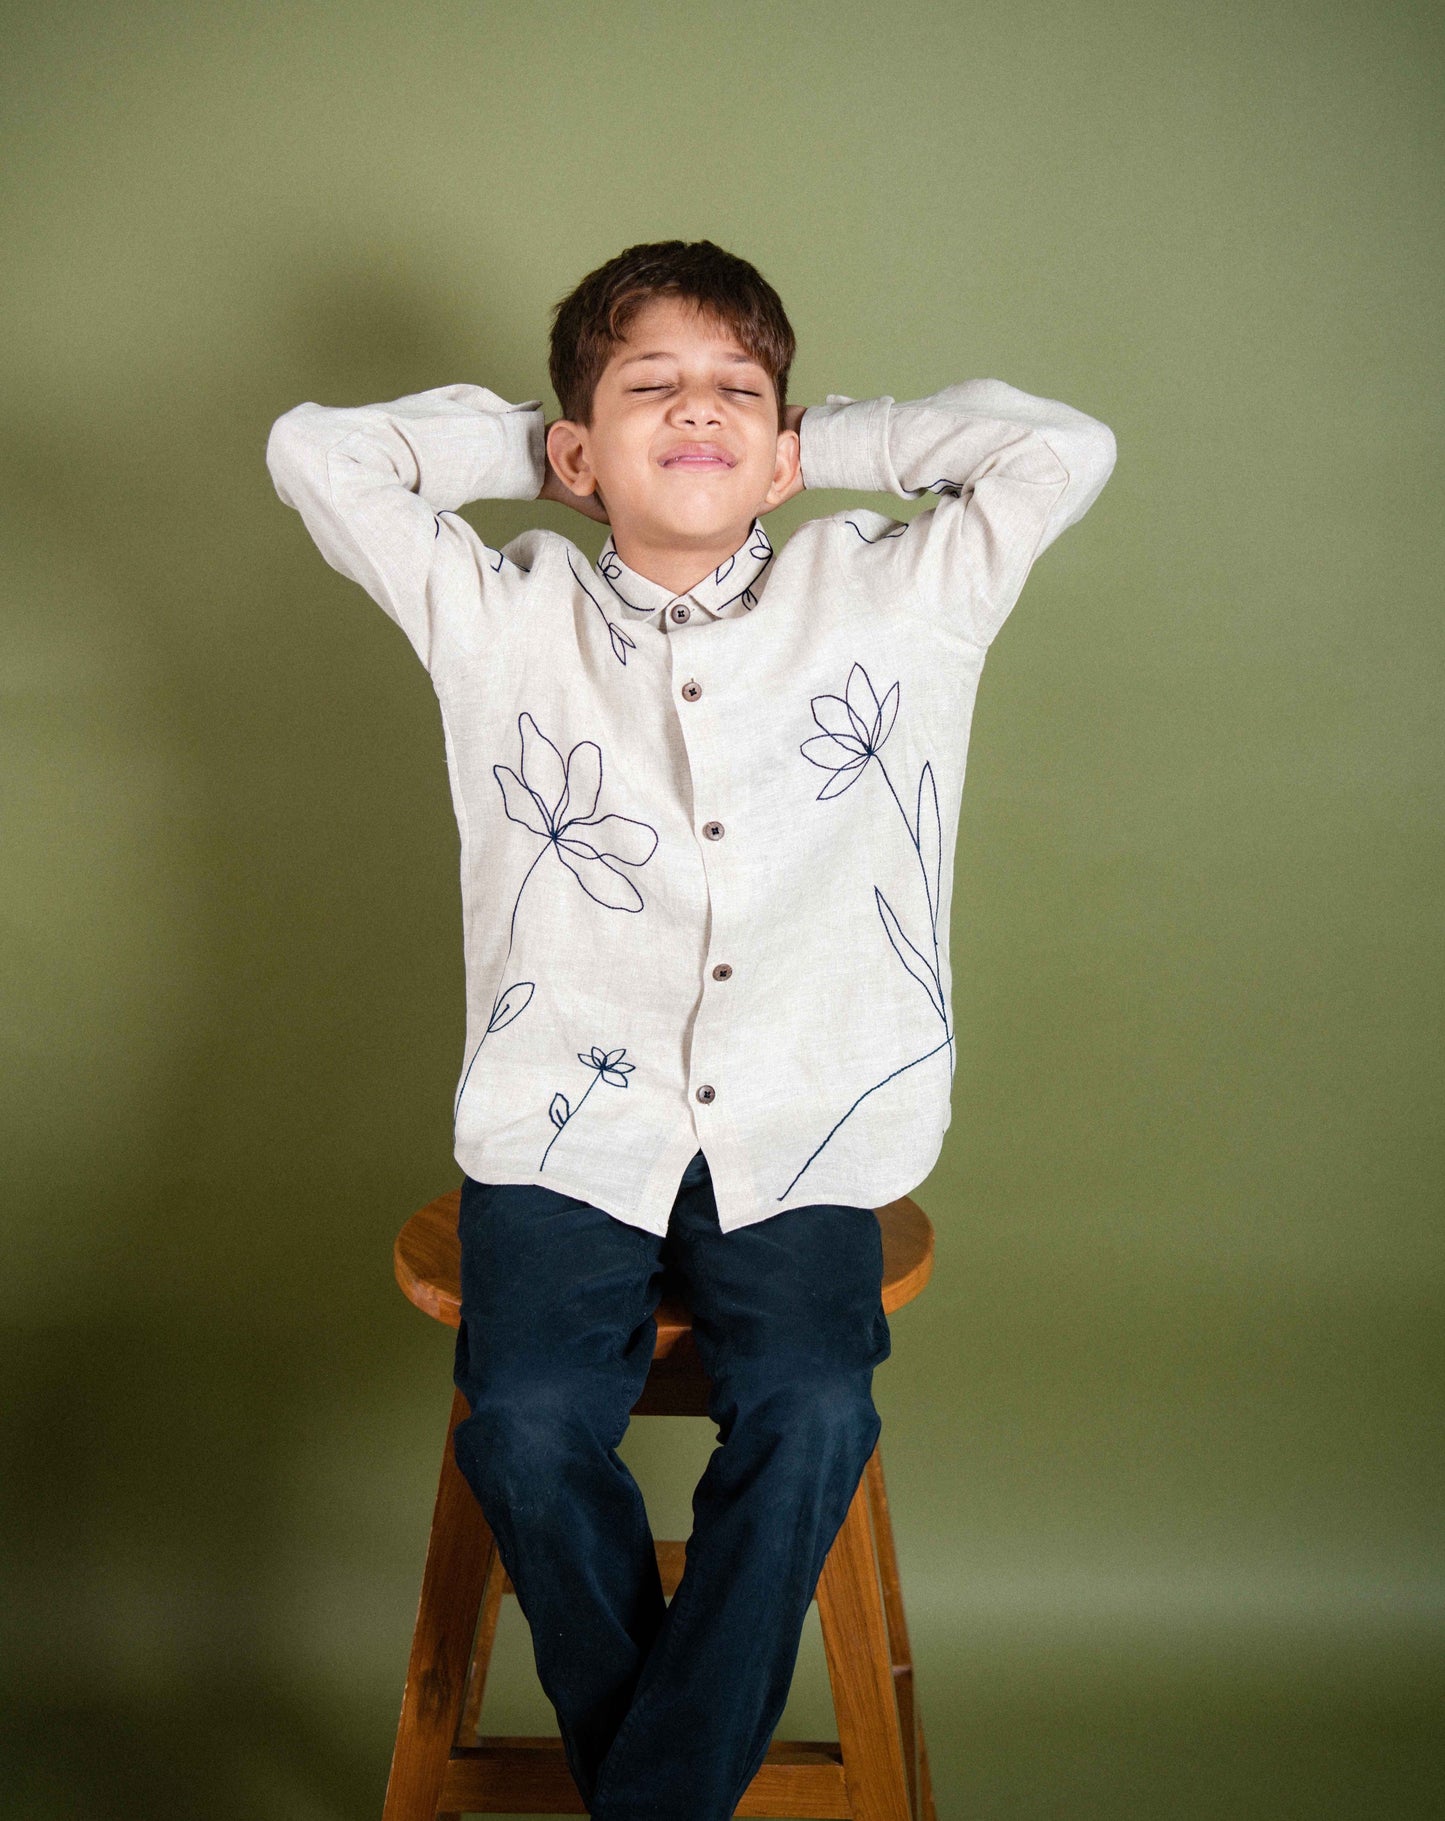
point(1014, 471)
point(378, 487)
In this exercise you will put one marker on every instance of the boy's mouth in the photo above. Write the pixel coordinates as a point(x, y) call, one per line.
point(697, 455)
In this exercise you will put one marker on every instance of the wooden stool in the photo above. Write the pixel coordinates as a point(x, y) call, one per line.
point(877, 1770)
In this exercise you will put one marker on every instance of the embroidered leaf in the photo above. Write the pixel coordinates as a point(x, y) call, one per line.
point(839, 723)
point(830, 750)
point(921, 970)
point(559, 1110)
point(621, 643)
point(887, 715)
point(521, 803)
point(583, 769)
point(723, 570)
point(842, 779)
point(928, 833)
point(511, 1004)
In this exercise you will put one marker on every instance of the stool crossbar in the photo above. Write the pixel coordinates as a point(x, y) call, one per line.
point(443, 1768)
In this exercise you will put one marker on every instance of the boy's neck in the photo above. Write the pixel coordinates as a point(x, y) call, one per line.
point(676, 567)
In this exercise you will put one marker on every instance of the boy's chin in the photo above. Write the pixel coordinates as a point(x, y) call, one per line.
point(703, 524)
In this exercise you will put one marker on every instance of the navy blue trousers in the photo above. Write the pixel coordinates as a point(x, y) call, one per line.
point(666, 1710)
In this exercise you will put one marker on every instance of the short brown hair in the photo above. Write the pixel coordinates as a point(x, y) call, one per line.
point(589, 323)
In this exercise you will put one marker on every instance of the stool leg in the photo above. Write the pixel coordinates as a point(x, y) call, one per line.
point(855, 1639)
point(482, 1651)
point(458, 1561)
point(899, 1650)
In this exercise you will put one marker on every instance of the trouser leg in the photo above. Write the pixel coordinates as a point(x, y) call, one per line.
point(556, 1337)
point(789, 1323)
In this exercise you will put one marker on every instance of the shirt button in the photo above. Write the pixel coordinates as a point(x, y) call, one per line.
point(713, 830)
point(692, 689)
point(706, 1092)
point(722, 971)
point(680, 611)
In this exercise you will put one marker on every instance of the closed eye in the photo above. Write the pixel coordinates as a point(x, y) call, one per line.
point(741, 391)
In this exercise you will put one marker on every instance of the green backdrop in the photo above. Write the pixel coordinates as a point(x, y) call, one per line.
point(1163, 1434)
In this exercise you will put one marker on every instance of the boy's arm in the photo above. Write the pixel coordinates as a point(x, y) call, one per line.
point(1014, 470)
point(378, 487)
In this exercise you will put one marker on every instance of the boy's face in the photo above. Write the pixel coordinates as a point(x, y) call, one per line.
point(684, 448)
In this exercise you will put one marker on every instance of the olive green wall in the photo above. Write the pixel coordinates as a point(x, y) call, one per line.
point(1162, 1435)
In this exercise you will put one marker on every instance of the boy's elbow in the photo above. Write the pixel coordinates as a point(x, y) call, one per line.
point(1089, 451)
point(1104, 451)
point(291, 448)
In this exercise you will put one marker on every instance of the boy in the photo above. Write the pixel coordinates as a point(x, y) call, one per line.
point(707, 794)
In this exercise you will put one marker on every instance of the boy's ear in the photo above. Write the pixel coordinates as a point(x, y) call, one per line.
point(567, 452)
point(787, 469)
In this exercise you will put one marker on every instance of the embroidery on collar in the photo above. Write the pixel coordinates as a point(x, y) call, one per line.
point(746, 564)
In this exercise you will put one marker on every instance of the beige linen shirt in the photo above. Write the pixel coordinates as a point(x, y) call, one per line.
point(707, 839)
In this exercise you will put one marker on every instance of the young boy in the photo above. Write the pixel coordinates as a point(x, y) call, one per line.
point(708, 794)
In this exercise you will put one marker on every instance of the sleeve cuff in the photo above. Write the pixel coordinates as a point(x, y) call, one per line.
point(844, 444)
point(523, 465)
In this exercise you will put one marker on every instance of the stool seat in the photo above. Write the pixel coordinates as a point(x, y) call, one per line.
point(426, 1258)
point(442, 1768)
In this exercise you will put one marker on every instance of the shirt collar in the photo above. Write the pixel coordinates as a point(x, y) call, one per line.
point(734, 587)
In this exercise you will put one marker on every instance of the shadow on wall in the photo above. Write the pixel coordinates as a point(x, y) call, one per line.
point(239, 1021)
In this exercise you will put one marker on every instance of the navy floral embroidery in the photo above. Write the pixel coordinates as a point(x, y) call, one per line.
point(610, 567)
point(952, 488)
point(746, 595)
point(618, 636)
point(892, 531)
point(606, 1065)
point(855, 728)
point(557, 800)
point(761, 550)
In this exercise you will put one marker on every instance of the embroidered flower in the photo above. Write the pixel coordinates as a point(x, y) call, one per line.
point(855, 726)
point(609, 1065)
point(606, 1065)
point(557, 799)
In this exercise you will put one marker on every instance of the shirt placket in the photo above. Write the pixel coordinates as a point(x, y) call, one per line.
point(694, 704)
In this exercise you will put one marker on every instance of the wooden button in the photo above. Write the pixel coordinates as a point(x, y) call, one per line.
point(713, 830)
point(722, 971)
point(706, 1092)
point(692, 689)
point(680, 611)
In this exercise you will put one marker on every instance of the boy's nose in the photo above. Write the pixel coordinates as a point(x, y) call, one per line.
point(699, 407)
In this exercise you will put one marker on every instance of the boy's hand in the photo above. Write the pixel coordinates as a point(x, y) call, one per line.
point(555, 488)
